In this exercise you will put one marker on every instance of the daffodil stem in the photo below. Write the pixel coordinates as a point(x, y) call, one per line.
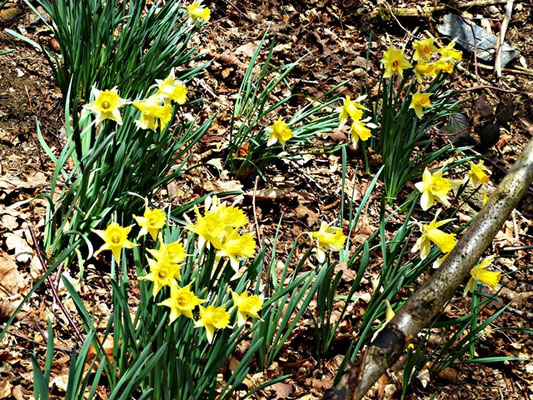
point(429, 299)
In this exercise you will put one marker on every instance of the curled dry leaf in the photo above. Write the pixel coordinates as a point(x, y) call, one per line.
point(92, 353)
point(5, 389)
point(60, 381)
point(7, 307)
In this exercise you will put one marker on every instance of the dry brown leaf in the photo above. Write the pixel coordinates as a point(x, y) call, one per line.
point(319, 384)
point(305, 212)
point(9, 275)
point(6, 308)
point(17, 243)
point(271, 194)
point(5, 389)
point(222, 186)
point(60, 381)
point(348, 275)
point(449, 374)
point(17, 393)
point(283, 390)
point(247, 49)
point(92, 353)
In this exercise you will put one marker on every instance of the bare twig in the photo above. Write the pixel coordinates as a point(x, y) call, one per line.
point(501, 37)
point(517, 248)
point(64, 349)
point(428, 300)
point(52, 287)
point(487, 87)
point(239, 11)
point(475, 50)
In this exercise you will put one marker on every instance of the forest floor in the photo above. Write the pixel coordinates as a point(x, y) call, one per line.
point(333, 38)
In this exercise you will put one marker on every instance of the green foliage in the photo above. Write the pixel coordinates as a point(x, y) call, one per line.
point(254, 111)
point(327, 296)
point(116, 160)
point(144, 341)
point(111, 43)
point(124, 44)
point(404, 144)
point(451, 351)
point(398, 272)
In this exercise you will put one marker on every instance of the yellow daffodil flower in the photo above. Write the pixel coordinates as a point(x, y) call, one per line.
point(172, 89)
point(485, 199)
point(481, 274)
point(153, 114)
point(389, 315)
point(212, 318)
point(394, 62)
point(106, 105)
point(235, 246)
point(350, 109)
point(208, 227)
point(419, 102)
point(433, 187)
point(196, 11)
point(477, 174)
point(217, 222)
point(182, 301)
point(115, 238)
point(438, 262)
point(450, 53)
point(172, 252)
point(162, 273)
point(231, 216)
point(247, 306)
point(279, 131)
point(424, 49)
point(430, 233)
point(443, 65)
point(360, 130)
point(423, 69)
point(328, 238)
point(151, 222)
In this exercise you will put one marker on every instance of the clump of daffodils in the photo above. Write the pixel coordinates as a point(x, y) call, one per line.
point(220, 226)
point(360, 128)
point(155, 110)
point(395, 61)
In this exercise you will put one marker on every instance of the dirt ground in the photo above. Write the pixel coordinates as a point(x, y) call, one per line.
point(333, 37)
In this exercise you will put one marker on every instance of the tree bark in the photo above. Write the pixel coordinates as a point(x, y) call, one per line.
point(429, 299)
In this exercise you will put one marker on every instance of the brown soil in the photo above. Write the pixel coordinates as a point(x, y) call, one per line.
point(333, 37)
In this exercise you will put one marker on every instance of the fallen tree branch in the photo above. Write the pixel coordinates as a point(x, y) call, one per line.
point(427, 11)
point(428, 300)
